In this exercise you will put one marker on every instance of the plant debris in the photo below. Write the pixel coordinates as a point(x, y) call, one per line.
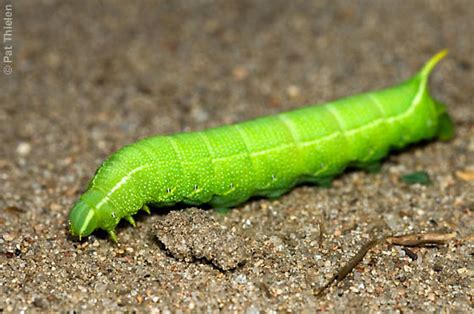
point(410, 253)
point(347, 268)
point(420, 177)
point(421, 239)
point(412, 240)
point(466, 175)
point(14, 210)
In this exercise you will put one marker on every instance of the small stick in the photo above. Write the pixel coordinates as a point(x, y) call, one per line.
point(410, 253)
point(14, 210)
point(421, 239)
point(322, 231)
point(415, 239)
point(353, 262)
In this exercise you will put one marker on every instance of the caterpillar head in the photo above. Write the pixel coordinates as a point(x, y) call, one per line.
point(83, 219)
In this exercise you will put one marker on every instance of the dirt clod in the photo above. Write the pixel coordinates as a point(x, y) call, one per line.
point(193, 235)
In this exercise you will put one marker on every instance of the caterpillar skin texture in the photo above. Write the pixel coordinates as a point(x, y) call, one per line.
point(225, 166)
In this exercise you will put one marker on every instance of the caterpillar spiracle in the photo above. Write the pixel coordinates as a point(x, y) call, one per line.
point(225, 166)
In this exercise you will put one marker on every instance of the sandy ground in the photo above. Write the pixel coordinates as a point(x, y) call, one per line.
point(89, 77)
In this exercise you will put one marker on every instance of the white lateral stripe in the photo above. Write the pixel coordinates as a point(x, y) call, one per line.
point(369, 125)
point(86, 222)
point(410, 109)
point(412, 105)
point(338, 118)
point(277, 148)
point(118, 185)
point(322, 139)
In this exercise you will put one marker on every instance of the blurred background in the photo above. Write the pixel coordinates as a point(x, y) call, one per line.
point(101, 73)
point(91, 76)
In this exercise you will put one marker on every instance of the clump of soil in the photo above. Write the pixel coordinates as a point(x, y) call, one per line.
point(194, 235)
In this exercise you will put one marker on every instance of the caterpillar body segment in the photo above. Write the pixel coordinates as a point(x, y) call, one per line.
point(225, 166)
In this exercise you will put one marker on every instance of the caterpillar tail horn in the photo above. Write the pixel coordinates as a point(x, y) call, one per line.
point(446, 129)
point(430, 65)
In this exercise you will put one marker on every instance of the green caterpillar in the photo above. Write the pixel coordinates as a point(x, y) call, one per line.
point(225, 166)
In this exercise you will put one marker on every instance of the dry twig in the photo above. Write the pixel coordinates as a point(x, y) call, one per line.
point(346, 269)
point(411, 240)
point(421, 239)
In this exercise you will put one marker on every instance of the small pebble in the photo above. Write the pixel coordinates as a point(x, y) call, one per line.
point(23, 149)
point(240, 279)
point(293, 91)
point(8, 237)
point(437, 267)
point(240, 73)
